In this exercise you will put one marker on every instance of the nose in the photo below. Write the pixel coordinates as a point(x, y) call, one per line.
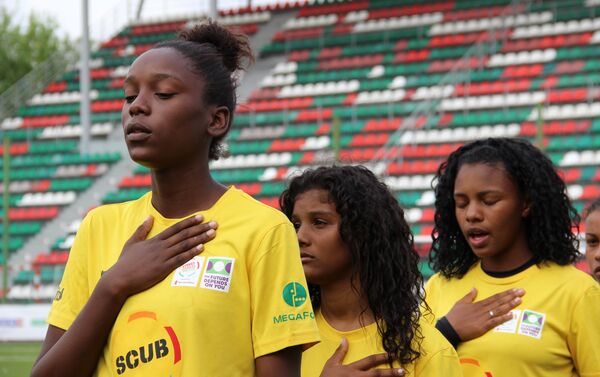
point(597, 254)
point(473, 212)
point(302, 234)
point(139, 106)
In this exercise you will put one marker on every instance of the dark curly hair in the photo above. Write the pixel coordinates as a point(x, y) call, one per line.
point(382, 251)
point(591, 207)
point(549, 225)
point(216, 54)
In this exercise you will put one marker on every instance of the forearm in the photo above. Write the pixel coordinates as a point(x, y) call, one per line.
point(83, 343)
point(444, 327)
point(285, 362)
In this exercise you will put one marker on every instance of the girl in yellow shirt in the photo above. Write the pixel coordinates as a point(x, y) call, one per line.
point(503, 224)
point(592, 238)
point(359, 260)
point(143, 302)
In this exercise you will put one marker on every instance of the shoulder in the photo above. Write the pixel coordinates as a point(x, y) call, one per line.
point(108, 212)
point(439, 281)
point(433, 340)
point(247, 206)
point(434, 280)
point(435, 350)
point(567, 276)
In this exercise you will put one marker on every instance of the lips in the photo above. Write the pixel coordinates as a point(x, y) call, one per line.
point(597, 272)
point(137, 132)
point(477, 237)
point(306, 257)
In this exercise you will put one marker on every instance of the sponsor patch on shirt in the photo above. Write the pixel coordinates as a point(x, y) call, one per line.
point(510, 326)
point(59, 294)
point(218, 273)
point(188, 274)
point(294, 294)
point(532, 324)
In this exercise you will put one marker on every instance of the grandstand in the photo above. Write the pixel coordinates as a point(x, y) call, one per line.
point(393, 85)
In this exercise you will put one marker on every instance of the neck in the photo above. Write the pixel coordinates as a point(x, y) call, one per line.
point(179, 192)
point(517, 255)
point(343, 307)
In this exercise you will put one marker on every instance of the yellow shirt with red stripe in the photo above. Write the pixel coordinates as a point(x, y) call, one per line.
point(245, 296)
point(555, 331)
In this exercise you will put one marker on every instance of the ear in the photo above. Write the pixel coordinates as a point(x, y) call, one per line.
point(219, 124)
point(526, 208)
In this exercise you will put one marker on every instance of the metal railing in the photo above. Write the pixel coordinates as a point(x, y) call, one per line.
point(486, 45)
point(35, 81)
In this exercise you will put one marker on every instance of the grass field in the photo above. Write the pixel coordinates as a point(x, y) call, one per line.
point(16, 359)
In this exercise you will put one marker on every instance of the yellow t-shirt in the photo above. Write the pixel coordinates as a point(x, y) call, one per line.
point(245, 296)
point(438, 357)
point(555, 331)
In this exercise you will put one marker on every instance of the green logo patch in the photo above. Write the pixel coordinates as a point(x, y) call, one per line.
point(294, 294)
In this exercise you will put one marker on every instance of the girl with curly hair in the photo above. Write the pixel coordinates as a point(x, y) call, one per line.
point(592, 238)
point(139, 300)
point(504, 223)
point(363, 278)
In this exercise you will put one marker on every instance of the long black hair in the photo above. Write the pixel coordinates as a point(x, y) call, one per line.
point(549, 225)
point(591, 207)
point(216, 54)
point(381, 247)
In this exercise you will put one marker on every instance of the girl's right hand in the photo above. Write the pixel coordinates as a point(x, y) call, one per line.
point(145, 262)
point(363, 367)
point(471, 319)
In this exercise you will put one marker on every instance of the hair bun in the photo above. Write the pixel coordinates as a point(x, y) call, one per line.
point(233, 47)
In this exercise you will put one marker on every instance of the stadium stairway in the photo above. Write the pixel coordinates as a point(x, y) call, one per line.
point(102, 186)
point(251, 80)
point(373, 65)
point(85, 201)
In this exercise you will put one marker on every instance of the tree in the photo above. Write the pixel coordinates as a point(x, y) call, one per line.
point(25, 47)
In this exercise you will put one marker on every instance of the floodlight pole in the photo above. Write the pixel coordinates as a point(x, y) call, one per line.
point(5, 219)
point(84, 82)
point(138, 13)
point(212, 9)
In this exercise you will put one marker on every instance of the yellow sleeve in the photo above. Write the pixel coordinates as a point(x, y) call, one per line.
point(282, 315)
point(431, 291)
point(584, 335)
point(73, 291)
point(444, 363)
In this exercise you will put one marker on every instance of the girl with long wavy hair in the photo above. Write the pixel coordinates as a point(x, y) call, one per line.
point(363, 278)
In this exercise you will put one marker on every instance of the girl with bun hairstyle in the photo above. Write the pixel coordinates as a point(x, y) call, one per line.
point(144, 291)
point(504, 226)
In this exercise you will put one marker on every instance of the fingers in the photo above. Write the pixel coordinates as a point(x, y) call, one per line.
point(492, 302)
point(384, 372)
point(493, 322)
point(504, 307)
point(338, 356)
point(182, 258)
point(498, 307)
point(196, 234)
point(370, 361)
point(176, 228)
point(142, 231)
point(469, 297)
